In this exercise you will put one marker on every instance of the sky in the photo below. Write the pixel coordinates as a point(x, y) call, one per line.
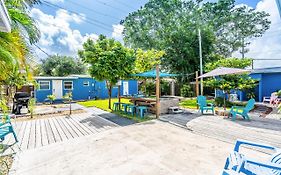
point(66, 24)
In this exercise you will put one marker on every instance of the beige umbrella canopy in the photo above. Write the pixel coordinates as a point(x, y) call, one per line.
point(224, 71)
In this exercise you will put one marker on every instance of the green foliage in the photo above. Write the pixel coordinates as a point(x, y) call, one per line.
point(186, 91)
point(62, 66)
point(147, 60)
point(52, 98)
point(150, 88)
point(31, 106)
point(192, 103)
point(229, 62)
point(4, 106)
point(68, 96)
point(219, 102)
point(109, 60)
point(172, 26)
point(279, 93)
point(228, 82)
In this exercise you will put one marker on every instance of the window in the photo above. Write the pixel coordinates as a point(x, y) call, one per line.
point(44, 85)
point(85, 83)
point(68, 85)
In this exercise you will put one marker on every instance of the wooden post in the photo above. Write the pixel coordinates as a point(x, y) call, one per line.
point(197, 84)
point(157, 92)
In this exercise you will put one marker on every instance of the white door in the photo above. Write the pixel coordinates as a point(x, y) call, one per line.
point(125, 88)
point(57, 88)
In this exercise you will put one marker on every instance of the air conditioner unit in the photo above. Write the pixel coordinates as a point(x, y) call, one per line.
point(5, 22)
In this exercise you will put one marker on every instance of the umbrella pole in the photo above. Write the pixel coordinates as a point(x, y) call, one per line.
point(157, 92)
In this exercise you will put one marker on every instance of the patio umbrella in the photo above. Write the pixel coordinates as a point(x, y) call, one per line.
point(224, 71)
point(152, 74)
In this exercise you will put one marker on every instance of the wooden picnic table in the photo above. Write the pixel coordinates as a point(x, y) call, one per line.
point(149, 102)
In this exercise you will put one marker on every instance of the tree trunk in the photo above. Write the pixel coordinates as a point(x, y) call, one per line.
point(109, 88)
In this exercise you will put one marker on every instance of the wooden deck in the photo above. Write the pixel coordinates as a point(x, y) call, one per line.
point(40, 132)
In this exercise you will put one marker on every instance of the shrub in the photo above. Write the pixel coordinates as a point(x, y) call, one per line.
point(219, 101)
point(52, 98)
point(186, 91)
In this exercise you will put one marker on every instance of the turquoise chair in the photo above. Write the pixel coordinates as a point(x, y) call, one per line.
point(238, 163)
point(131, 109)
point(125, 106)
point(243, 111)
point(7, 128)
point(203, 105)
point(141, 110)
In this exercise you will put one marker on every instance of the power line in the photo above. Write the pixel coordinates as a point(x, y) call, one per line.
point(100, 2)
point(94, 22)
point(92, 10)
point(124, 4)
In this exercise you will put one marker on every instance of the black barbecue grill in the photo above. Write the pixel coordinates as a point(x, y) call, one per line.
point(20, 99)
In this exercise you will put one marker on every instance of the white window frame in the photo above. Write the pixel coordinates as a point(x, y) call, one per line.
point(68, 82)
point(49, 84)
point(88, 83)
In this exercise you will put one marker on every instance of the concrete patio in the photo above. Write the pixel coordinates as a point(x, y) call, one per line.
point(153, 147)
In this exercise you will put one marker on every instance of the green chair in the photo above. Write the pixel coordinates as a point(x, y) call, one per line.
point(243, 111)
point(116, 106)
point(203, 105)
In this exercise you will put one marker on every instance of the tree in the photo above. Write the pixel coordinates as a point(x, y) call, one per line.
point(235, 26)
point(62, 66)
point(147, 60)
point(153, 26)
point(109, 61)
point(231, 82)
point(172, 25)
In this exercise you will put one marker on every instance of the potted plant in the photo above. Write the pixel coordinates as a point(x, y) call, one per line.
point(52, 98)
point(31, 106)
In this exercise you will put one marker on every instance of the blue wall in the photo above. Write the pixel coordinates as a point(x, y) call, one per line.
point(270, 83)
point(80, 92)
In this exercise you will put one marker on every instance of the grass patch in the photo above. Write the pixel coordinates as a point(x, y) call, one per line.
point(192, 103)
point(103, 104)
point(135, 118)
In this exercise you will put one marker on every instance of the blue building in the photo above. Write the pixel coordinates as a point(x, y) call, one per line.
point(82, 87)
point(269, 82)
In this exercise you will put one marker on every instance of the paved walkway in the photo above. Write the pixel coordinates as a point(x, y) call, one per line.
point(149, 148)
point(40, 132)
point(259, 129)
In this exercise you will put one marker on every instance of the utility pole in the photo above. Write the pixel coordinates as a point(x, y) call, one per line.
point(201, 61)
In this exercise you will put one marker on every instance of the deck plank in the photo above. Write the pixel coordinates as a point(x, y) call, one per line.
point(70, 129)
point(32, 141)
point(26, 135)
point(88, 121)
point(55, 131)
point(64, 128)
point(44, 136)
point(59, 129)
point(87, 129)
point(51, 136)
point(38, 136)
point(78, 126)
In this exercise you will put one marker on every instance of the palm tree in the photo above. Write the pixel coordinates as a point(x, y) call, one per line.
point(15, 46)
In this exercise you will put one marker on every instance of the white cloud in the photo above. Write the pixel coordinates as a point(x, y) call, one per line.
point(56, 31)
point(268, 46)
point(117, 31)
